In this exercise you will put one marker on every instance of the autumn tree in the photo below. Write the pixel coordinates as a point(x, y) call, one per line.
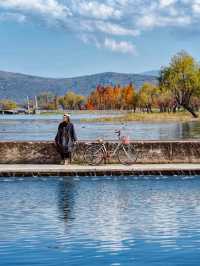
point(128, 97)
point(195, 103)
point(109, 97)
point(182, 79)
point(101, 98)
point(165, 102)
point(117, 97)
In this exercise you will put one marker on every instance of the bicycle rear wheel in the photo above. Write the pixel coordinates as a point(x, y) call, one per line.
point(127, 155)
point(94, 155)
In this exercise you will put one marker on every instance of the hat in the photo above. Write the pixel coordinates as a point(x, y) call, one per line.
point(66, 114)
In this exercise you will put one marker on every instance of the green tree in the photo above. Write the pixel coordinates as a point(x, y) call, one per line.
point(71, 101)
point(7, 104)
point(182, 78)
point(147, 96)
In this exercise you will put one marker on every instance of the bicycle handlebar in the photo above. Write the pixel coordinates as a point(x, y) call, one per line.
point(118, 132)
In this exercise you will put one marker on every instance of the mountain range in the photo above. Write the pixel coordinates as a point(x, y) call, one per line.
point(17, 86)
point(152, 73)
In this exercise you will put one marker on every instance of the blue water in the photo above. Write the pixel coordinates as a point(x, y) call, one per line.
point(44, 127)
point(100, 221)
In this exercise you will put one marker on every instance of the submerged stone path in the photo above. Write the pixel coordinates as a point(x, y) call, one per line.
point(87, 170)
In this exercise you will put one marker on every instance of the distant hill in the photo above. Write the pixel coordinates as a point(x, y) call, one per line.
point(17, 86)
point(151, 73)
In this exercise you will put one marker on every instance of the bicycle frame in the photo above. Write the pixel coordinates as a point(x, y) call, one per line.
point(107, 154)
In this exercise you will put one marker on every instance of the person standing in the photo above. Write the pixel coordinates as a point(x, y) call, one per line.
point(65, 139)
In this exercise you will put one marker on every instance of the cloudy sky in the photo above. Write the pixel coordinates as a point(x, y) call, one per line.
point(63, 38)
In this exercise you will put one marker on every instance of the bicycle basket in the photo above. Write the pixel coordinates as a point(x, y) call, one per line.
point(125, 140)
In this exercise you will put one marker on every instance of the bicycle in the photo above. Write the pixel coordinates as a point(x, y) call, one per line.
point(96, 153)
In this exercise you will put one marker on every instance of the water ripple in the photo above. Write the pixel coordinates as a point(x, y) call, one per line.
point(100, 221)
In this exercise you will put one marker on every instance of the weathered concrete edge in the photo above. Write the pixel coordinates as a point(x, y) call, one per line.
point(107, 141)
point(119, 170)
point(45, 152)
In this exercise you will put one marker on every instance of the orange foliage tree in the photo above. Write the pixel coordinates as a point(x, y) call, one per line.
point(112, 97)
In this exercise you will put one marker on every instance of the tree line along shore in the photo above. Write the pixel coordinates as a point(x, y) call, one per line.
point(175, 96)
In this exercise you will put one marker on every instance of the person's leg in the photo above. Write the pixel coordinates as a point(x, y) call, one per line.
point(66, 159)
point(62, 157)
point(61, 152)
point(70, 157)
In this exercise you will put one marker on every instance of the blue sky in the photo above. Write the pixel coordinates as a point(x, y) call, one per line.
point(65, 38)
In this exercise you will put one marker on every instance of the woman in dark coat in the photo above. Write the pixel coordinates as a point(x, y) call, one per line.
point(65, 139)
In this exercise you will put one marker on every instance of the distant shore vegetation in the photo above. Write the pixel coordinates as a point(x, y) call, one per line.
point(176, 95)
point(6, 104)
point(155, 116)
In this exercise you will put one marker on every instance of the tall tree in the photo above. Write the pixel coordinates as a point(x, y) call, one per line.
point(182, 78)
point(147, 96)
point(129, 94)
point(109, 97)
point(71, 101)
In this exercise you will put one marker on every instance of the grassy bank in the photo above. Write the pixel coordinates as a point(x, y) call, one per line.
point(151, 117)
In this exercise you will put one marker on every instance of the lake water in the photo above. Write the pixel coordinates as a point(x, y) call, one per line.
point(41, 127)
point(100, 221)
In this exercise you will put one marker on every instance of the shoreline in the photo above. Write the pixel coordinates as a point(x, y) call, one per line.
point(145, 117)
point(122, 116)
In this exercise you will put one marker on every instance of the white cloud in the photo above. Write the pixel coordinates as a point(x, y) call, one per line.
point(96, 9)
point(90, 39)
point(12, 17)
point(166, 3)
point(101, 21)
point(46, 7)
point(196, 6)
point(115, 29)
point(152, 21)
point(108, 28)
point(121, 46)
point(110, 44)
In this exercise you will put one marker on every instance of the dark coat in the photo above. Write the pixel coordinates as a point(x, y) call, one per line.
point(66, 136)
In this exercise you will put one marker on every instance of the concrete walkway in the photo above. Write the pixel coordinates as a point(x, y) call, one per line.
point(109, 169)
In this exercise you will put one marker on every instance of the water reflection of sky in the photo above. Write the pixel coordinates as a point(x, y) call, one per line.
point(42, 127)
point(89, 221)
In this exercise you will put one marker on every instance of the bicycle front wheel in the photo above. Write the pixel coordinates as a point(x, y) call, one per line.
point(94, 155)
point(127, 155)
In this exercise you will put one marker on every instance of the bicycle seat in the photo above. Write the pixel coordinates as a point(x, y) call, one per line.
point(100, 140)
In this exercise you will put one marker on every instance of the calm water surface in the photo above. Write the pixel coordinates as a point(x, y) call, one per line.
point(100, 221)
point(41, 127)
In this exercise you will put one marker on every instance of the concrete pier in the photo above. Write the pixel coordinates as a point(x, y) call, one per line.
point(41, 158)
point(44, 152)
point(25, 170)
